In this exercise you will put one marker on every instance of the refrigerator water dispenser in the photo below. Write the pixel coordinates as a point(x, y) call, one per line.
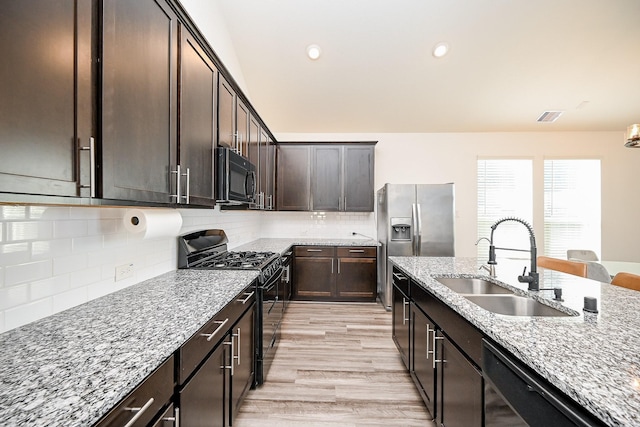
point(400, 229)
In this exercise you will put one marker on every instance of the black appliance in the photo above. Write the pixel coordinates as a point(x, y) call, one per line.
point(515, 396)
point(236, 178)
point(207, 249)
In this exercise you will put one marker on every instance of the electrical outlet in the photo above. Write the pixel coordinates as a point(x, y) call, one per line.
point(124, 271)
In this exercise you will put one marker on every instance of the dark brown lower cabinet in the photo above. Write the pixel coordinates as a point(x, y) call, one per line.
point(423, 367)
point(401, 322)
point(146, 403)
point(461, 387)
point(203, 400)
point(211, 393)
point(243, 360)
point(335, 273)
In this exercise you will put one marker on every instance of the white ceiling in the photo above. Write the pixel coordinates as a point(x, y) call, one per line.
point(510, 60)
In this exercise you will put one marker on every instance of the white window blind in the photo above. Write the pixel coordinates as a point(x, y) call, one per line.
point(572, 206)
point(505, 188)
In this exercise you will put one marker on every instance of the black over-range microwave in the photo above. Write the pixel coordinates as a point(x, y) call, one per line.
point(236, 178)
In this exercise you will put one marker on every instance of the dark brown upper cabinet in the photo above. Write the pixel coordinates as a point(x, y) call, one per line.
point(139, 100)
point(46, 101)
point(337, 177)
point(196, 126)
point(233, 119)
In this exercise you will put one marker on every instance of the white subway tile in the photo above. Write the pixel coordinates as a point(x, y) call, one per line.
point(100, 289)
point(27, 272)
point(14, 296)
point(49, 287)
point(42, 249)
point(85, 277)
point(28, 230)
point(69, 263)
point(88, 243)
point(69, 299)
point(13, 212)
point(18, 316)
point(54, 213)
point(2, 325)
point(102, 226)
point(69, 228)
point(14, 253)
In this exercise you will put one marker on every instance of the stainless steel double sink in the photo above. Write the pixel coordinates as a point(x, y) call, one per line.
point(497, 299)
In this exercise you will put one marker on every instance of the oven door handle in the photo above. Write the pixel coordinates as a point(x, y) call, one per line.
point(273, 280)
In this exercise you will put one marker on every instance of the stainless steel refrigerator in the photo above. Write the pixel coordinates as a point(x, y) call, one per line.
point(413, 220)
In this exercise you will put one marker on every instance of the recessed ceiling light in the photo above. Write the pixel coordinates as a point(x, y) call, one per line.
point(440, 49)
point(313, 51)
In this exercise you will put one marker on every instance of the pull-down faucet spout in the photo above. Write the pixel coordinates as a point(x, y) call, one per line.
point(533, 277)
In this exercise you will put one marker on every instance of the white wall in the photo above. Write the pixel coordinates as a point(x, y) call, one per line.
point(208, 19)
point(452, 157)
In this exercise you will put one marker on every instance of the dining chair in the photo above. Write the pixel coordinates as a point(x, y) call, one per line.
point(582, 254)
point(627, 280)
point(597, 271)
point(571, 267)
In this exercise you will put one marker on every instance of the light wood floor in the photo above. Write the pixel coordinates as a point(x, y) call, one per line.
point(336, 365)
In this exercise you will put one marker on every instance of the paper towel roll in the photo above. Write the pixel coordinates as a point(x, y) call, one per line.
point(153, 222)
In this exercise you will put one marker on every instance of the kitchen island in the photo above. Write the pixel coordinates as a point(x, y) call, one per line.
point(592, 358)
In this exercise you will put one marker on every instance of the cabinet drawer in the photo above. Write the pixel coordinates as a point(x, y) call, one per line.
point(357, 252)
point(463, 333)
point(194, 351)
point(312, 251)
point(145, 401)
point(401, 281)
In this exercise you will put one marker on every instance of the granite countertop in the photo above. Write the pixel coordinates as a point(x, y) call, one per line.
point(71, 368)
point(282, 245)
point(593, 358)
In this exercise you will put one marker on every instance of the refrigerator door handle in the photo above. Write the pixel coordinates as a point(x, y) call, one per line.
point(414, 228)
point(418, 230)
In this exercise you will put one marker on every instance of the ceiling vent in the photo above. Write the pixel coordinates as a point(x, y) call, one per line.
point(549, 116)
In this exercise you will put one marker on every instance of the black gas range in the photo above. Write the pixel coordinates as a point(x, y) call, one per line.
point(207, 250)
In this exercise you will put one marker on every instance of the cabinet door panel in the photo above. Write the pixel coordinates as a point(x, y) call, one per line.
point(197, 111)
point(462, 389)
point(226, 114)
point(314, 277)
point(243, 359)
point(242, 128)
point(203, 401)
point(400, 325)
point(38, 89)
point(139, 99)
point(326, 178)
point(422, 358)
point(356, 278)
point(293, 178)
point(358, 178)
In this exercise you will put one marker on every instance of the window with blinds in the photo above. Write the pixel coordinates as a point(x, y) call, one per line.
point(505, 188)
point(572, 206)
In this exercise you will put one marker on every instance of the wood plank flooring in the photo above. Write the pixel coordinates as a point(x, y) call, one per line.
point(336, 365)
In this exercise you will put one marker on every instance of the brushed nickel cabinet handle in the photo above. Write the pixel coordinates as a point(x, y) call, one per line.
point(219, 322)
point(249, 295)
point(138, 412)
point(356, 251)
point(314, 250)
point(92, 167)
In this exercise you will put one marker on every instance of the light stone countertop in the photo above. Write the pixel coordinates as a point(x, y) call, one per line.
point(71, 368)
point(593, 358)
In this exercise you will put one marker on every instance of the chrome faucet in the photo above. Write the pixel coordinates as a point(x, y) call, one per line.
point(533, 278)
point(491, 269)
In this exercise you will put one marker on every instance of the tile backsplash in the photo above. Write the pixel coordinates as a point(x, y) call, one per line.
point(53, 257)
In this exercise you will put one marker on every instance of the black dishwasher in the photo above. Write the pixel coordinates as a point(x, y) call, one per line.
point(516, 396)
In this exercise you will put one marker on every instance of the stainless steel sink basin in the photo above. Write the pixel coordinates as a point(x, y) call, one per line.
point(514, 305)
point(472, 286)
